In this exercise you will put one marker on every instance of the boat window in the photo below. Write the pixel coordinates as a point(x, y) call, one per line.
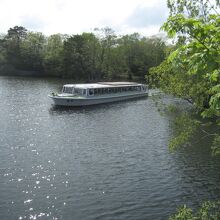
point(99, 91)
point(91, 92)
point(105, 90)
point(78, 91)
point(67, 89)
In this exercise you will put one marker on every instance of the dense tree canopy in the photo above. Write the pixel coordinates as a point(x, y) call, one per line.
point(53, 55)
point(88, 56)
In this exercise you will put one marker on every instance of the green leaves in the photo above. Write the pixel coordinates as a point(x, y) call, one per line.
point(192, 70)
point(53, 55)
point(192, 8)
point(31, 51)
point(216, 146)
point(183, 213)
point(87, 56)
point(184, 127)
point(208, 211)
point(199, 59)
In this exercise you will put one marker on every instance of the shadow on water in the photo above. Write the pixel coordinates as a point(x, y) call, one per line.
point(196, 169)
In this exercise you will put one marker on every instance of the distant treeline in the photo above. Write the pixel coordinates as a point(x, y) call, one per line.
point(88, 56)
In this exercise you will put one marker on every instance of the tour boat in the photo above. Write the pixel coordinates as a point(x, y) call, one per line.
point(98, 93)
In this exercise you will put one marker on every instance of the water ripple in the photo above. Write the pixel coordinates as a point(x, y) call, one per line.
point(99, 162)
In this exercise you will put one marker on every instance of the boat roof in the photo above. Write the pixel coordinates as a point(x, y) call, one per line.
point(103, 85)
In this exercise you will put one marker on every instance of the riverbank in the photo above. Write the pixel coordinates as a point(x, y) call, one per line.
point(12, 72)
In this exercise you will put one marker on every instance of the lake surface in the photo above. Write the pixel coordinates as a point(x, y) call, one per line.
point(104, 162)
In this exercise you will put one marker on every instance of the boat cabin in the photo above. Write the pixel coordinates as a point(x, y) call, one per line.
point(102, 88)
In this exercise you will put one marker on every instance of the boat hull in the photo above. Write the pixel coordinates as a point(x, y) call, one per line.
point(72, 101)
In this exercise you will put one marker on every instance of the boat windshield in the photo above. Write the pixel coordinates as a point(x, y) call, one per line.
point(68, 89)
point(79, 91)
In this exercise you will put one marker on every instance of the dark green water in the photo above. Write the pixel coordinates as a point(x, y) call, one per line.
point(102, 162)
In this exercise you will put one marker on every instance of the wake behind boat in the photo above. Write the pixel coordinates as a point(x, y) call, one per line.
point(98, 93)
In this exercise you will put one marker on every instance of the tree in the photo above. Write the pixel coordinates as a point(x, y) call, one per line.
point(53, 55)
point(108, 41)
point(92, 53)
point(14, 39)
point(31, 51)
point(2, 50)
point(140, 53)
point(89, 56)
point(193, 8)
point(191, 71)
point(80, 57)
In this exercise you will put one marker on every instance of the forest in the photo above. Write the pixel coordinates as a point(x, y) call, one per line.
point(101, 55)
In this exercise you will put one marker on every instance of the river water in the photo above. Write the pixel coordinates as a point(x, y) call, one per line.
point(104, 162)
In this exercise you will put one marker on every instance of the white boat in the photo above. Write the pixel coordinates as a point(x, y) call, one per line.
point(98, 93)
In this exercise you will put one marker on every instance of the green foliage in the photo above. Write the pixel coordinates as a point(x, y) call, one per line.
point(191, 69)
point(216, 146)
point(208, 211)
point(140, 54)
point(12, 45)
point(31, 51)
point(191, 88)
point(77, 57)
point(2, 51)
point(184, 127)
point(183, 213)
point(53, 55)
point(193, 8)
point(88, 56)
point(200, 57)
